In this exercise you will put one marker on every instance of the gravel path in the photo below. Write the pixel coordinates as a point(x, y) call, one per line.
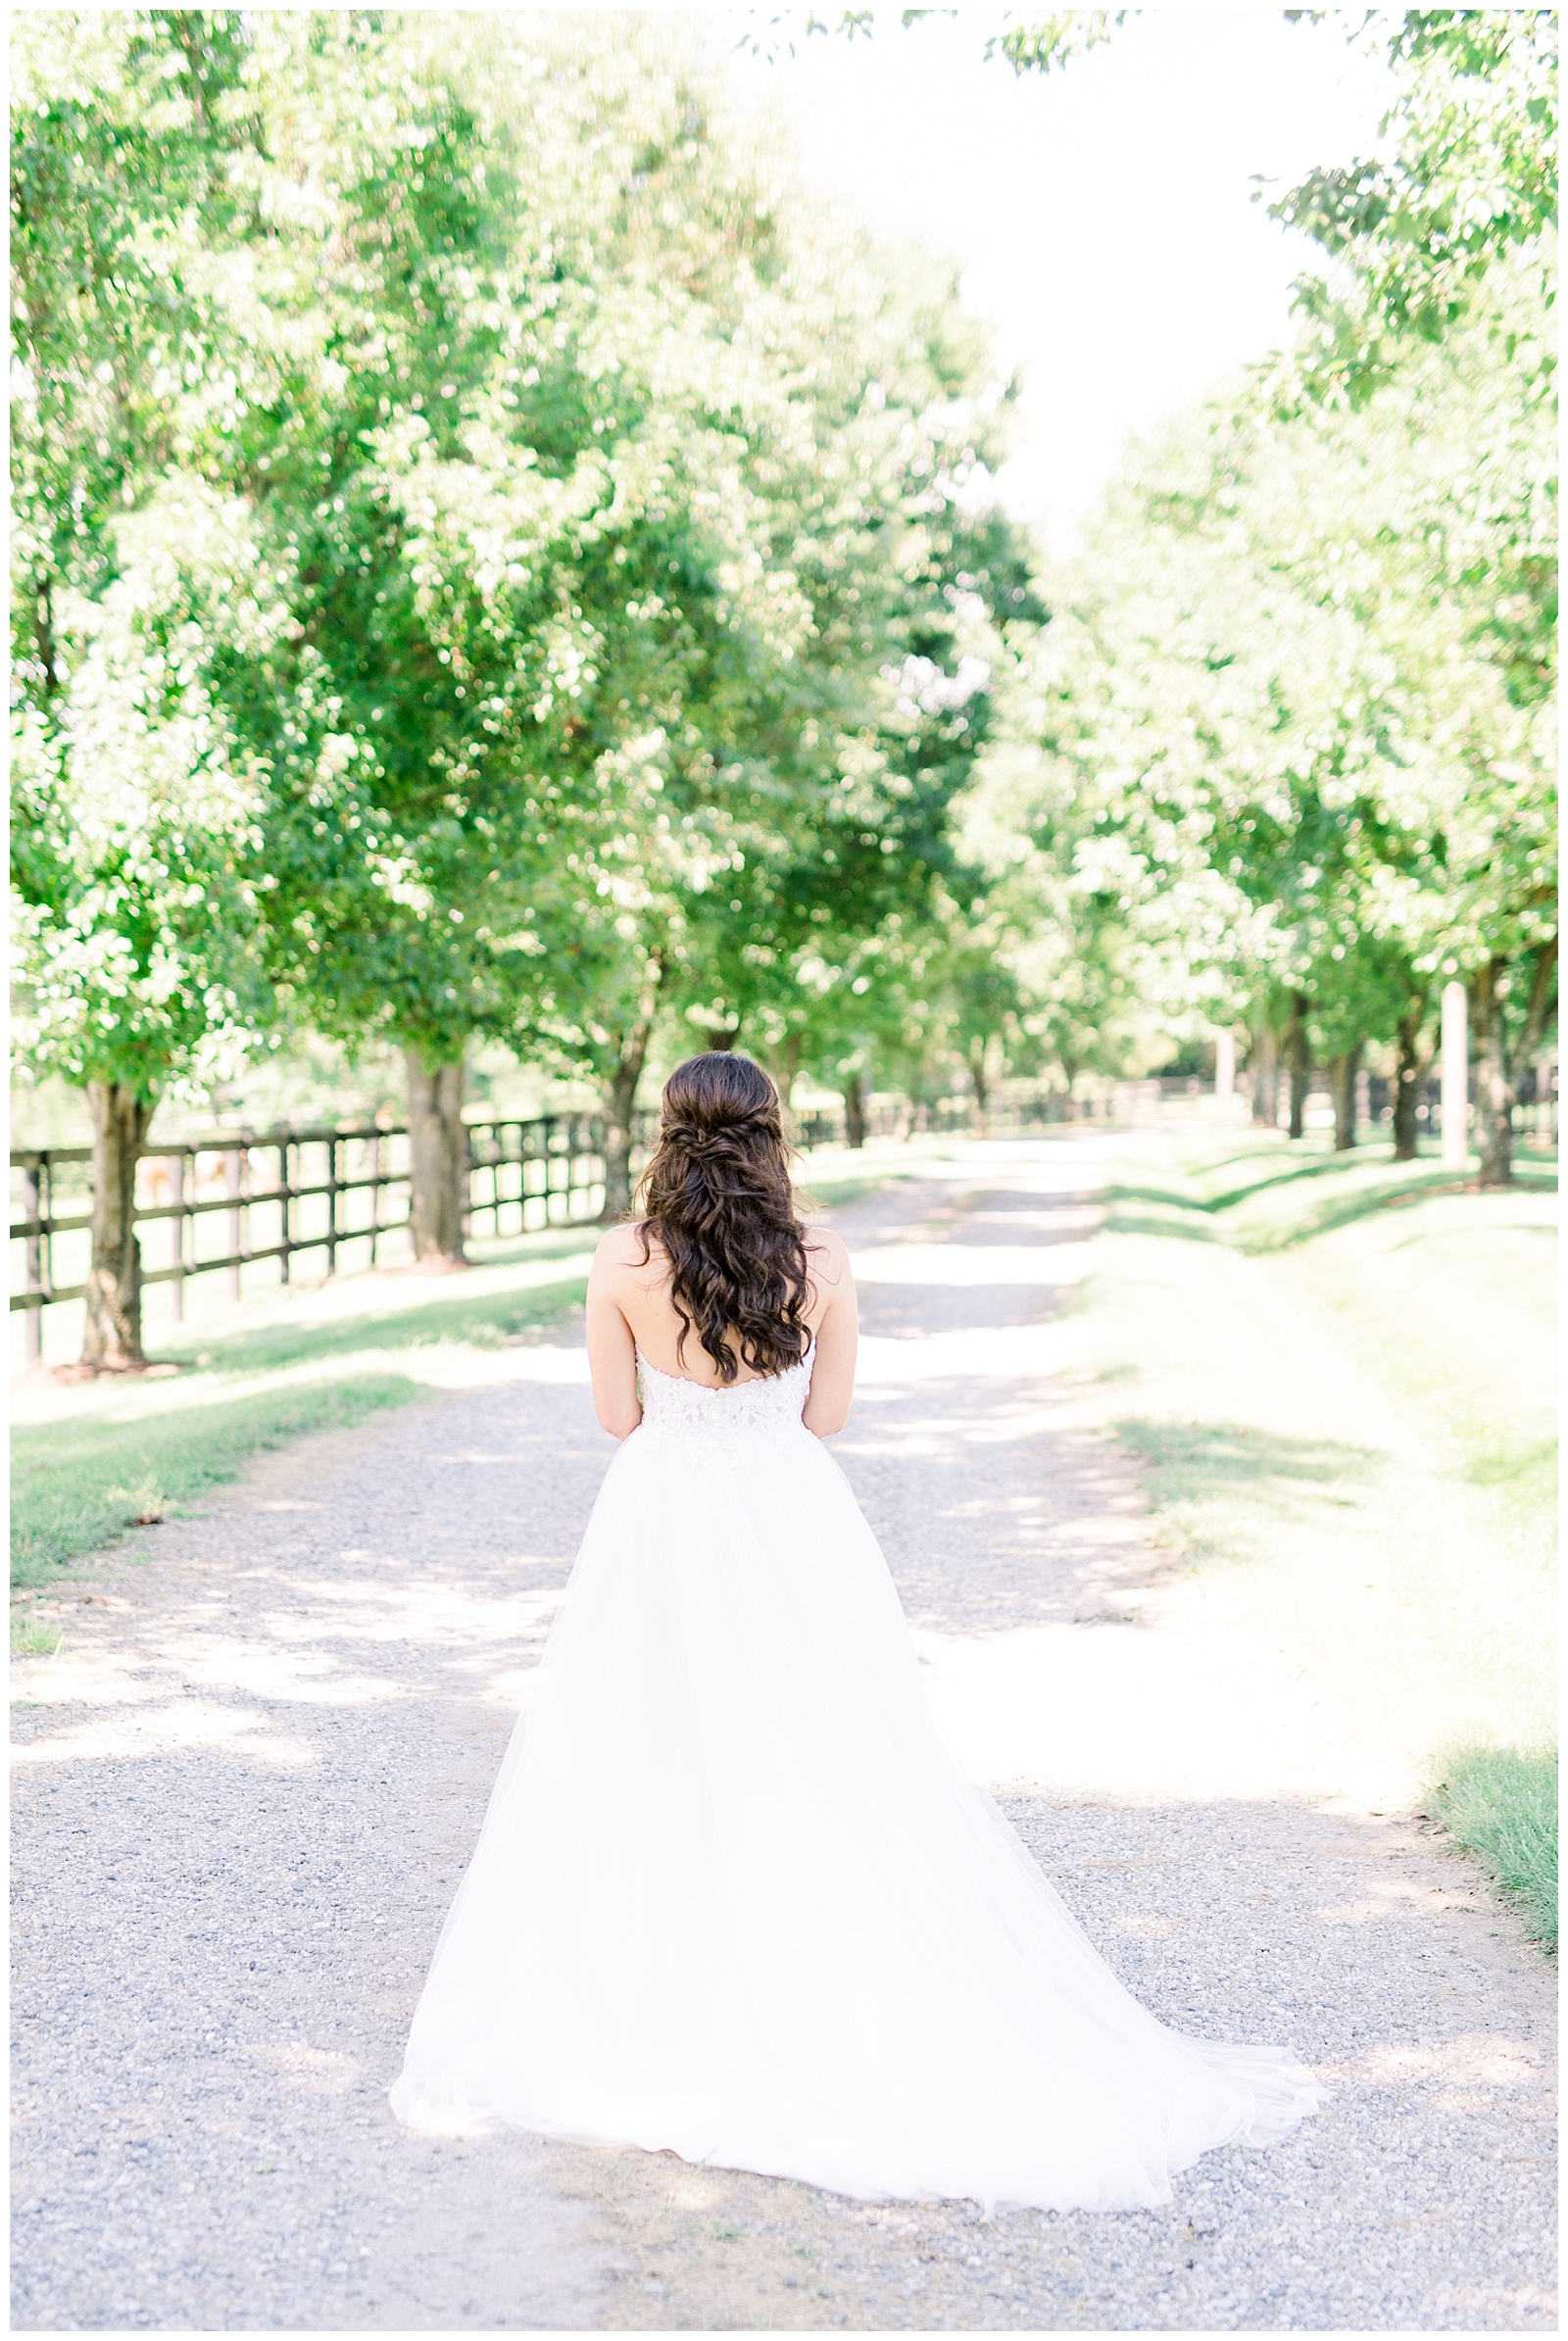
point(251, 1777)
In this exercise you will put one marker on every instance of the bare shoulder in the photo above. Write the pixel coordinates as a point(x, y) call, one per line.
point(828, 1254)
point(623, 1249)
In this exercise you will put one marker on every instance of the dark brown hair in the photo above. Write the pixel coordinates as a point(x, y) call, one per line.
point(718, 1197)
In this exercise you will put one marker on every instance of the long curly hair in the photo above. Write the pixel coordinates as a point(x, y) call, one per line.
point(718, 1197)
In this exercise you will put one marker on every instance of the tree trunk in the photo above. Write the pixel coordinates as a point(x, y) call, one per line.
point(1493, 1094)
point(1497, 1064)
point(855, 1111)
point(45, 634)
point(438, 1159)
point(1407, 1083)
point(783, 1063)
point(1266, 1079)
point(980, 1080)
point(1300, 1058)
point(112, 1343)
point(620, 1100)
point(1343, 1084)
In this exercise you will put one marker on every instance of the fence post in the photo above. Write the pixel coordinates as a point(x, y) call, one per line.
point(285, 1196)
point(331, 1205)
point(32, 1207)
point(176, 1190)
point(234, 1187)
point(1455, 1078)
point(1224, 1065)
point(376, 1195)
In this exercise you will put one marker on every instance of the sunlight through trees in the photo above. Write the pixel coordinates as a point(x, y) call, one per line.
point(497, 559)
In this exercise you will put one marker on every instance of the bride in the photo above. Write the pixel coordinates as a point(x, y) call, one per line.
point(731, 1896)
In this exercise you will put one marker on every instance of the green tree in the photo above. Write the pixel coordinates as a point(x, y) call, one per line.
point(1310, 656)
point(645, 472)
point(1465, 176)
point(1448, 237)
point(1280, 726)
point(144, 268)
point(138, 817)
point(783, 807)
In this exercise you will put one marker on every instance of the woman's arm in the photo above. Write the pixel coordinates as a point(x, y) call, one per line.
point(611, 1351)
point(827, 1401)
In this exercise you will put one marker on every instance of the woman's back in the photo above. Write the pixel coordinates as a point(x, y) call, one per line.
point(637, 1284)
point(729, 1873)
point(720, 1282)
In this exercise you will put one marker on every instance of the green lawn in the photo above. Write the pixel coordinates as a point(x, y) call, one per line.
point(91, 1460)
point(1503, 1805)
point(76, 1486)
point(1338, 1375)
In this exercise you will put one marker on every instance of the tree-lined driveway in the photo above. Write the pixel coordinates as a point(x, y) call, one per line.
point(250, 1779)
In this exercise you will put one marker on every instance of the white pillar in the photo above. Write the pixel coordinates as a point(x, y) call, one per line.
point(1455, 1078)
point(1224, 1066)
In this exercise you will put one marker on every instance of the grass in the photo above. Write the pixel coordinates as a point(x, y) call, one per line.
point(1272, 1194)
point(1194, 1466)
point(486, 1317)
point(100, 1458)
point(29, 1639)
point(76, 1487)
point(1501, 1805)
point(1337, 1372)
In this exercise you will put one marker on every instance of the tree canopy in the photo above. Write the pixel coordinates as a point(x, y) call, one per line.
point(1286, 751)
point(494, 557)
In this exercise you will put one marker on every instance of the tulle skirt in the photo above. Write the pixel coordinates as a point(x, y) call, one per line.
point(733, 1898)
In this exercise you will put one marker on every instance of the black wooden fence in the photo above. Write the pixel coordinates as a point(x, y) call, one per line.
point(336, 1194)
point(242, 1195)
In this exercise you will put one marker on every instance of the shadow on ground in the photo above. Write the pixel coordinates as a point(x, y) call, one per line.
point(1198, 1459)
point(482, 1320)
point(252, 1778)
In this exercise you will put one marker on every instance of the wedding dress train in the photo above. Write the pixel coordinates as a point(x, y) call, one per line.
point(732, 1897)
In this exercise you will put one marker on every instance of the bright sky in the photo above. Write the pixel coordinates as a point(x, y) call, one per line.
point(1101, 214)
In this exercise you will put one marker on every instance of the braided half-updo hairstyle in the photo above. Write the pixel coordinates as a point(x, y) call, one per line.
point(717, 1195)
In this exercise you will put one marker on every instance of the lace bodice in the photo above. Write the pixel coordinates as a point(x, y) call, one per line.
point(770, 1405)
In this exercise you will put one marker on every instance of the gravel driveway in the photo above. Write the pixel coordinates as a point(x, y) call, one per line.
point(251, 1777)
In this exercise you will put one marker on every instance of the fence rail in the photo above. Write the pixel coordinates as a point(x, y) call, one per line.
point(241, 1196)
point(1535, 1115)
point(237, 1197)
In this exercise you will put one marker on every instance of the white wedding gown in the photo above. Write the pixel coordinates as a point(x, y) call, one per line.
point(732, 1897)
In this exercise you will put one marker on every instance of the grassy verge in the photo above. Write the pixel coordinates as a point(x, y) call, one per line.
point(77, 1486)
point(101, 1457)
point(1502, 1804)
point(1337, 1375)
point(482, 1310)
point(1264, 1194)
